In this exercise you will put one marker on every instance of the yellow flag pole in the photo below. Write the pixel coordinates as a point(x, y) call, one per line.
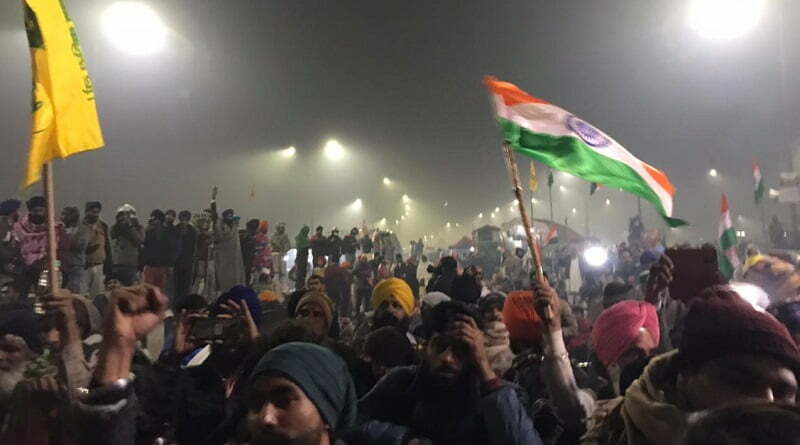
point(52, 242)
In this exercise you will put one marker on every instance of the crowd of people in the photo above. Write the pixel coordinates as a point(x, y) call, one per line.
point(190, 330)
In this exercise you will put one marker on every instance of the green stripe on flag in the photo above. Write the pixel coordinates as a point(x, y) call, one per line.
point(567, 153)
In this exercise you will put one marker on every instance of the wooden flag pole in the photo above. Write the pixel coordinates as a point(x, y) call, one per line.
point(511, 164)
point(52, 242)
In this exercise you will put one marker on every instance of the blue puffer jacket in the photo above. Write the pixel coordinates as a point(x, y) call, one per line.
point(495, 416)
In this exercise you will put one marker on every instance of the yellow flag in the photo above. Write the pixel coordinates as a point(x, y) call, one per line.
point(64, 114)
point(533, 183)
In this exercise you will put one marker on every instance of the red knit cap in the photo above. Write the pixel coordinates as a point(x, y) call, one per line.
point(617, 329)
point(719, 327)
point(520, 317)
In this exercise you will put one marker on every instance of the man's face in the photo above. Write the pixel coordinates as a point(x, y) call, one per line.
point(444, 358)
point(69, 217)
point(112, 284)
point(737, 380)
point(12, 352)
point(281, 228)
point(170, 217)
point(319, 231)
point(391, 306)
point(281, 413)
point(123, 218)
point(37, 215)
point(315, 284)
point(227, 217)
point(494, 313)
point(8, 294)
point(312, 315)
point(184, 221)
point(92, 215)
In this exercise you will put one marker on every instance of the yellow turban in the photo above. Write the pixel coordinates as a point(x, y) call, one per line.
point(398, 288)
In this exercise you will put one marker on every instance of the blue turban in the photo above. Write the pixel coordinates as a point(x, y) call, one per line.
point(239, 293)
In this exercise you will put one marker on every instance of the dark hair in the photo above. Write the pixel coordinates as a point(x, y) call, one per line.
point(319, 229)
point(36, 201)
point(185, 214)
point(448, 263)
point(228, 212)
point(389, 347)
point(252, 224)
point(92, 205)
point(314, 277)
point(444, 314)
point(170, 212)
point(491, 301)
point(157, 214)
point(788, 313)
point(760, 423)
point(191, 302)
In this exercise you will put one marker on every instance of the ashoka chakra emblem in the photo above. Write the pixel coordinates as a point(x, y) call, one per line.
point(586, 132)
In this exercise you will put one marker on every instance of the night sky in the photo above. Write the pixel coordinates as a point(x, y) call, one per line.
point(398, 84)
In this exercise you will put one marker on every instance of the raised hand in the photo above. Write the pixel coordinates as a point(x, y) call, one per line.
point(547, 305)
point(660, 277)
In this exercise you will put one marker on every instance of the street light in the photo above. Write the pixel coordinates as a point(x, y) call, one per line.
point(497, 210)
point(562, 188)
point(387, 182)
point(574, 210)
point(480, 215)
point(288, 152)
point(713, 173)
point(724, 19)
point(357, 204)
point(134, 27)
point(333, 150)
point(608, 202)
point(406, 199)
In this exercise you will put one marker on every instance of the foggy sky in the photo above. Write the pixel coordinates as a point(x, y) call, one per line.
point(398, 83)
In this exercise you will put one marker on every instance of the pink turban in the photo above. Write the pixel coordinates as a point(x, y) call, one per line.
point(617, 329)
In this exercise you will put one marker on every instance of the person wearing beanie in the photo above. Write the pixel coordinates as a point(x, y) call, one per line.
point(729, 354)
point(300, 393)
point(453, 396)
point(625, 334)
point(315, 310)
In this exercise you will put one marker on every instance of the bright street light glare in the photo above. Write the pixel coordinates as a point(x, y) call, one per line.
point(562, 188)
point(713, 173)
point(608, 202)
point(497, 210)
point(333, 150)
point(387, 182)
point(595, 256)
point(357, 204)
point(134, 28)
point(574, 210)
point(447, 225)
point(724, 19)
point(480, 215)
point(493, 215)
point(288, 152)
point(406, 199)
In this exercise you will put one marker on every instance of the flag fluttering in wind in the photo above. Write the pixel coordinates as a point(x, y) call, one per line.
point(533, 183)
point(728, 259)
point(64, 115)
point(758, 182)
point(551, 235)
point(556, 137)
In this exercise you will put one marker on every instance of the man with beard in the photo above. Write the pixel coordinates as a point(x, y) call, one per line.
point(97, 249)
point(31, 233)
point(126, 240)
point(187, 240)
point(394, 304)
point(319, 245)
point(73, 256)
point(454, 396)
point(227, 248)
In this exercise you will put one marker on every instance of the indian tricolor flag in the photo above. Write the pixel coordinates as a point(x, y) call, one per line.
point(758, 182)
point(728, 259)
point(556, 137)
